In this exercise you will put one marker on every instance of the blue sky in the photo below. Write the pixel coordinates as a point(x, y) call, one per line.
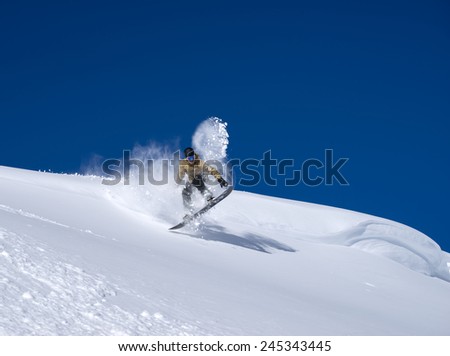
point(370, 80)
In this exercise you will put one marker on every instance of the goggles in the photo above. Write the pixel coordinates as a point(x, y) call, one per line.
point(190, 158)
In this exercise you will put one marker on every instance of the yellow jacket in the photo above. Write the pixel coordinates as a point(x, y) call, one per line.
point(199, 167)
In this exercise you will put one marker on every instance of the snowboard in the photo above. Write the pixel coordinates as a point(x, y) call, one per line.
point(203, 210)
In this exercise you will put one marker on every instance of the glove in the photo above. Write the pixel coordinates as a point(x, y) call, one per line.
point(223, 183)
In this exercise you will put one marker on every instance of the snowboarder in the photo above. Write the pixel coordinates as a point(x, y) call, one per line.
point(196, 169)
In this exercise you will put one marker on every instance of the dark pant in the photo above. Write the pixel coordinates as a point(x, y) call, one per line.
point(198, 183)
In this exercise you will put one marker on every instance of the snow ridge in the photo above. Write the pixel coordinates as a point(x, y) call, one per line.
point(409, 247)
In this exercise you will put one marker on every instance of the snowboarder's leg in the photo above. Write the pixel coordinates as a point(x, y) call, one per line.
point(187, 197)
point(200, 185)
point(207, 194)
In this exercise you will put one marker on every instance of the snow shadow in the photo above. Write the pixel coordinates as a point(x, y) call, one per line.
point(248, 240)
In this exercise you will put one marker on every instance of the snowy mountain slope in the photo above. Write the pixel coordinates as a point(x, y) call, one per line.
point(81, 258)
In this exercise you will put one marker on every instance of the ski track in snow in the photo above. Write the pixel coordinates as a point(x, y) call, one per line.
point(45, 220)
point(40, 294)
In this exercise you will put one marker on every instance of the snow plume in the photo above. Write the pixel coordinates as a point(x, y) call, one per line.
point(210, 139)
point(92, 166)
point(147, 182)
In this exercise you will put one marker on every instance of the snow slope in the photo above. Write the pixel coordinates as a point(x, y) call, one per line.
point(81, 258)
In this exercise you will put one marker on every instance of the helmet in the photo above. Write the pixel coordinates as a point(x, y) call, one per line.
point(188, 151)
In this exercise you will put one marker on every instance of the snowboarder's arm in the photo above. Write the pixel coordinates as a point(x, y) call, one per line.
point(211, 170)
